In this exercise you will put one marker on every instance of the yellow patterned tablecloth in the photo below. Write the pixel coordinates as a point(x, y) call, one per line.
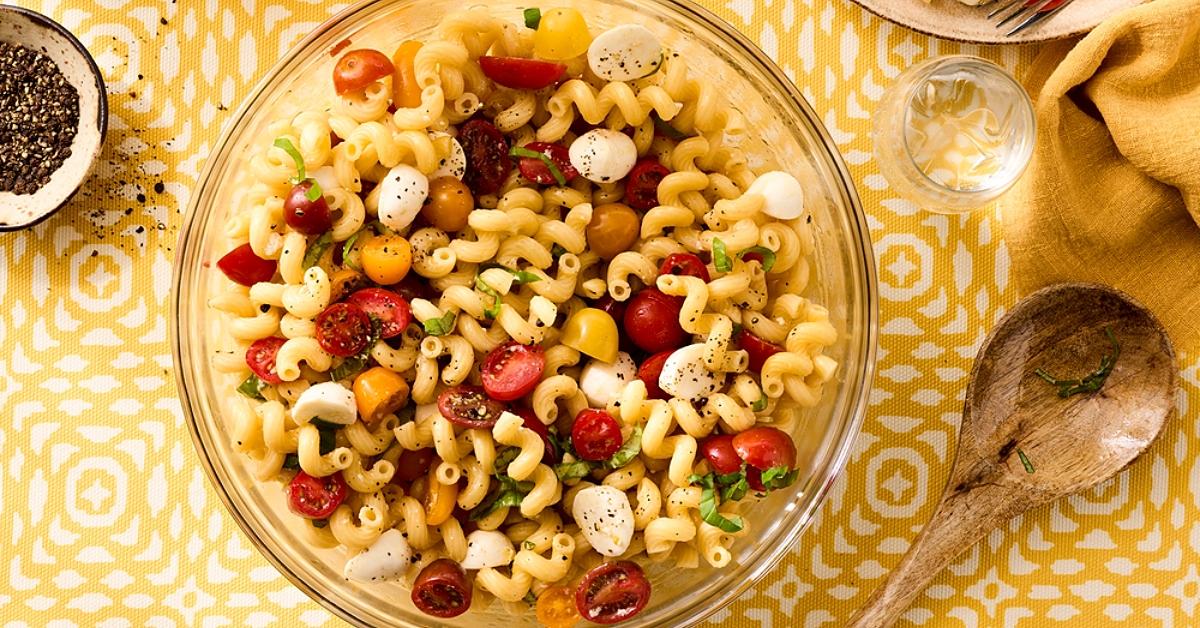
point(106, 518)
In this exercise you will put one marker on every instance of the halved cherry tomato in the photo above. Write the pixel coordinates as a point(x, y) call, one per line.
point(765, 447)
point(441, 589)
point(550, 453)
point(243, 266)
point(685, 264)
point(413, 464)
point(391, 309)
point(754, 478)
point(720, 453)
point(488, 163)
point(757, 348)
point(316, 498)
point(612, 592)
point(556, 608)
point(343, 329)
point(512, 370)
point(536, 170)
point(306, 216)
point(591, 332)
point(359, 68)
point(562, 34)
point(406, 91)
point(469, 406)
point(260, 357)
point(413, 287)
point(595, 434)
point(652, 321)
point(519, 73)
point(641, 186)
point(649, 372)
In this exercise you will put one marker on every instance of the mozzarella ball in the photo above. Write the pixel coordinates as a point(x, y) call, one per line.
point(782, 194)
point(605, 517)
point(602, 383)
point(401, 196)
point(329, 401)
point(388, 557)
point(685, 376)
point(603, 155)
point(624, 53)
point(487, 548)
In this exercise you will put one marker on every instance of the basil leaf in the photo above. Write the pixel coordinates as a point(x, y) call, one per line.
point(503, 459)
point(666, 129)
point(529, 545)
point(348, 247)
point(759, 404)
point(493, 310)
point(290, 148)
point(523, 276)
point(314, 191)
point(720, 256)
point(779, 477)
point(509, 492)
point(521, 151)
point(252, 387)
point(733, 485)
point(568, 471)
point(767, 255)
point(317, 249)
point(325, 425)
point(328, 440)
point(628, 451)
point(440, 326)
point(556, 251)
point(562, 444)
point(708, 506)
point(533, 17)
point(291, 461)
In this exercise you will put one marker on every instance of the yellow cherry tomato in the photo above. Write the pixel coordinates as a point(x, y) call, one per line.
point(439, 499)
point(561, 34)
point(556, 608)
point(592, 332)
point(379, 392)
point(406, 92)
point(386, 258)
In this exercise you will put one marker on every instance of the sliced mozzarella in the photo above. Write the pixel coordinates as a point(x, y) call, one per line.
point(452, 165)
point(603, 155)
point(325, 177)
point(388, 557)
point(624, 53)
point(328, 401)
point(602, 383)
point(487, 548)
point(401, 196)
point(685, 376)
point(783, 194)
point(604, 515)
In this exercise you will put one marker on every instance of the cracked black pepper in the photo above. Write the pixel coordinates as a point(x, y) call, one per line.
point(39, 117)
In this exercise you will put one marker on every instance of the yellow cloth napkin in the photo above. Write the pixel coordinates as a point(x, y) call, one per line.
point(1113, 192)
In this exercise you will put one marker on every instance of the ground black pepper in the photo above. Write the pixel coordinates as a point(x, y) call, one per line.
point(39, 116)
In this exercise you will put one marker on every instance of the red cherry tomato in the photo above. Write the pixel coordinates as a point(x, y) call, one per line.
point(757, 348)
point(413, 464)
point(391, 309)
point(307, 217)
point(650, 370)
point(536, 170)
point(343, 329)
point(441, 589)
point(316, 498)
point(652, 321)
point(488, 163)
point(359, 68)
point(612, 592)
point(550, 455)
point(641, 187)
point(260, 357)
point(611, 306)
point(468, 406)
point(754, 478)
point(243, 266)
point(765, 447)
point(414, 287)
point(520, 73)
point(596, 434)
point(512, 370)
point(686, 264)
point(720, 453)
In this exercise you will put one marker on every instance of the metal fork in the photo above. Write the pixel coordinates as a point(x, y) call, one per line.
point(1025, 12)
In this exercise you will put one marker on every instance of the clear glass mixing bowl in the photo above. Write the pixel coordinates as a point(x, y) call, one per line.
point(784, 133)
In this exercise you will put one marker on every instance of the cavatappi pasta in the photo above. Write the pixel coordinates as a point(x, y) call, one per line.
point(433, 268)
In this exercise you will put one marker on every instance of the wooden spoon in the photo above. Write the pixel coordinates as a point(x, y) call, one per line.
point(1020, 444)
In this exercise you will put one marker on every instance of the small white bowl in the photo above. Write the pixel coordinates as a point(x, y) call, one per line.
point(35, 31)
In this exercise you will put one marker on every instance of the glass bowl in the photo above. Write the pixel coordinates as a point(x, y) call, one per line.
point(783, 131)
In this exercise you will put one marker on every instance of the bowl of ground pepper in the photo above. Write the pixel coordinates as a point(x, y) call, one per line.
point(53, 116)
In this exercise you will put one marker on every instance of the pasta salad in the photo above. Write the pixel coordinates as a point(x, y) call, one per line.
point(512, 315)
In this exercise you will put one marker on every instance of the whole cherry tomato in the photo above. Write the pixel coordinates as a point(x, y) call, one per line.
point(316, 498)
point(652, 321)
point(343, 329)
point(359, 68)
point(612, 592)
point(413, 464)
point(537, 171)
point(719, 452)
point(242, 266)
point(512, 370)
point(310, 217)
point(757, 349)
point(519, 73)
point(260, 357)
point(469, 407)
point(595, 434)
point(488, 163)
point(649, 372)
point(685, 264)
point(613, 229)
point(641, 186)
point(441, 589)
point(765, 447)
point(611, 306)
point(392, 310)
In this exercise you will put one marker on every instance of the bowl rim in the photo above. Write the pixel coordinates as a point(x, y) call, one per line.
point(790, 94)
point(48, 23)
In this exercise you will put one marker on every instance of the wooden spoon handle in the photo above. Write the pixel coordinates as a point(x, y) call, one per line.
point(962, 518)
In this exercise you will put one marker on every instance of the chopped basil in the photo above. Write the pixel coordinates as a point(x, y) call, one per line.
point(1025, 461)
point(667, 130)
point(779, 477)
point(521, 151)
point(523, 276)
point(562, 444)
point(628, 451)
point(317, 249)
point(1093, 381)
point(533, 17)
point(325, 425)
point(568, 471)
point(314, 192)
point(734, 486)
point(767, 255)
point(348, 247)
point(505, 458)
point(252, 387)
point(720, 256)
point(328, 440)
point(556, 251)
point(759, 404)
point(708, 506)
point(529, 545)
point(493, 310)
point(291, 461)
point(440, 326)
point(508, 493)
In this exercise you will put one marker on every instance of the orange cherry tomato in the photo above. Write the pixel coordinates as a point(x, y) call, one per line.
point(359, 68)
point(556, 608)
point(406, 91)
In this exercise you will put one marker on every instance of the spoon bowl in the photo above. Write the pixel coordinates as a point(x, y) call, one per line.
point(1068, 389)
